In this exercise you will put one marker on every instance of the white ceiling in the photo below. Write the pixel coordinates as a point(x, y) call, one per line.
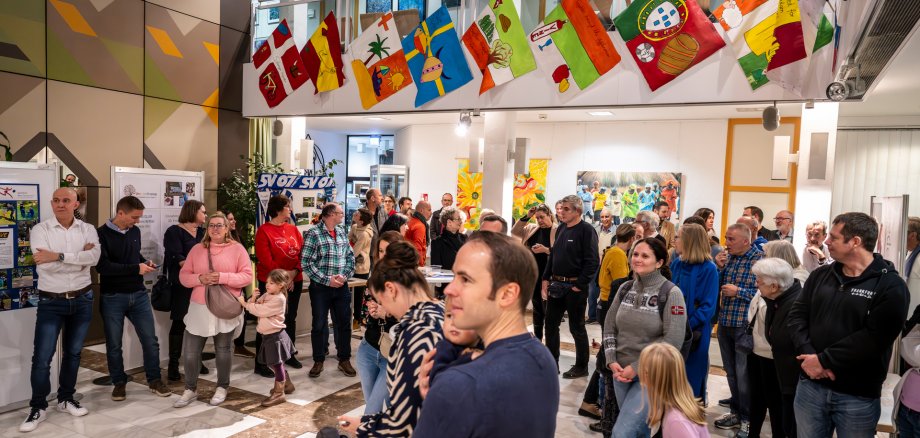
point(896, 94)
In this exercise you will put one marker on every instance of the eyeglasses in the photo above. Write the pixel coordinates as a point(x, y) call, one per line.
point(216, 226)
point(778, 219)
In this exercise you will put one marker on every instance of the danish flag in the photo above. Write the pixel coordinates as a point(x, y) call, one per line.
point(279, 66)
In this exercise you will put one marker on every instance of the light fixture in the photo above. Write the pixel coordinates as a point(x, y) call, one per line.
point(463, 124)
point(771, 118)
point(837, 91)
point(600, 113)
point(376, 118)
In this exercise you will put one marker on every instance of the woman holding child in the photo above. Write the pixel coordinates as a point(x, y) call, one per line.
point(401, 289)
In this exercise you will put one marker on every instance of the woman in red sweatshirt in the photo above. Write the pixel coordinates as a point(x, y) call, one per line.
point(278, 245)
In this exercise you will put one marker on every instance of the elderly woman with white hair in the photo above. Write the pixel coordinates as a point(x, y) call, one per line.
point(782, 249)
point(773, 369)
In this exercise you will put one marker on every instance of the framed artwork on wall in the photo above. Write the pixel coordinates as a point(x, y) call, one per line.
point(627, 193)
point(274, 15)
point(256, 43)
point(379, 6)
point(413, 4)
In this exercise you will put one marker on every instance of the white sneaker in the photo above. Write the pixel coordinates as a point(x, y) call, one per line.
point(72, 407)
point(188, 396)
point(35, 416)
point(220, 394)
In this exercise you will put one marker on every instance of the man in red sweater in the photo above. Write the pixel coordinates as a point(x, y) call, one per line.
point(418, 229)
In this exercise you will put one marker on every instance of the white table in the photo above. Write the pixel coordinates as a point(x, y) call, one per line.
point(440, 279)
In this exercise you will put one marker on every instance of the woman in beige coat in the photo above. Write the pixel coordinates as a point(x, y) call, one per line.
point(539, 238)
point(360, 236)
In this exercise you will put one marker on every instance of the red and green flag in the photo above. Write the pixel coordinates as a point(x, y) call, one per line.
point(497, 42)
point(667, 37)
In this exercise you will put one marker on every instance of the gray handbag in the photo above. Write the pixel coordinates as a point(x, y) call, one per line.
point(219, 300)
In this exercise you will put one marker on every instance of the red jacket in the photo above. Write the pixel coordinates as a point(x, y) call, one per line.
point(416, 236)
point(278, 247)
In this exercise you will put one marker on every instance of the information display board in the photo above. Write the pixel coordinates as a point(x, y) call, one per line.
point(307, 195)
point(25, 193)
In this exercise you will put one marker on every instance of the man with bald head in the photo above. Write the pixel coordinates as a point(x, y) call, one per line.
point(417, 234)
point(64, 249)
point(753, 224)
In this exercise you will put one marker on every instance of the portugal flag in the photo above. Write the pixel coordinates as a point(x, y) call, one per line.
point(667, 37)
point(323, 56)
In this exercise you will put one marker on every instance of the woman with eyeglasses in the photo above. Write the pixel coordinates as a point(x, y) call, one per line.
point(278, 244)
point(177, 242)
point(389, 204)
point(444, 248)
point(239, 344)
point(538, 237)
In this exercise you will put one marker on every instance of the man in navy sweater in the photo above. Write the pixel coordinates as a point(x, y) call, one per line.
point(512, 389)
point(121, 271)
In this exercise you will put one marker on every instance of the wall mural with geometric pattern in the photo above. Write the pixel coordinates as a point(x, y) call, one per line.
point(125, 83)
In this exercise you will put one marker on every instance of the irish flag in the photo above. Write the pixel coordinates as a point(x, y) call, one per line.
point(499, 45)
point(323, 56)
point(667, 37)
point(378, 62)
point(572, 46)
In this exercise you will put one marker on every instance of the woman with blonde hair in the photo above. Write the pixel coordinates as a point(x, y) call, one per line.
point(698, 278)
point(672, 407)
point(783, 249)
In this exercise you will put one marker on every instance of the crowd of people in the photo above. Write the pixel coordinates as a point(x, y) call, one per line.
point(807, 338)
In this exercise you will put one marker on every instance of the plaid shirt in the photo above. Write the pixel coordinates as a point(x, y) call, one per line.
point(737, 271)
point(322, 256)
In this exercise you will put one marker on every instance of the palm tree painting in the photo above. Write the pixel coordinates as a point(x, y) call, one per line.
point(377, 49)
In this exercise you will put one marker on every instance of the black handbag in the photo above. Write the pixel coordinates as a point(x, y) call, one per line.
point(558, 289)
point(161, 294)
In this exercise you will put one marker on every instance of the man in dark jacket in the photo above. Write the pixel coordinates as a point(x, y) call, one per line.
point(843, 325)
point(447, 200)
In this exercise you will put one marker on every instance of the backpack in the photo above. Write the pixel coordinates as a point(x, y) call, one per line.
point(663, 294)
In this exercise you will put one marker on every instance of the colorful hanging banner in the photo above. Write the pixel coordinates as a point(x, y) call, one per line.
point(572, 46)
point(498, 44)
point(667, 37)
point(818, 34)
point(435, 58)
point(323, 56)
point(749, 25)
point(278, 54)
point(378, 62)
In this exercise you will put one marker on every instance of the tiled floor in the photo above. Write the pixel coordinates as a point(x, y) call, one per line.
point(315, 403)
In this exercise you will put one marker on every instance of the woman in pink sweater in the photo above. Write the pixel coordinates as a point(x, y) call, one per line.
point(276, 345)
point(233, 270)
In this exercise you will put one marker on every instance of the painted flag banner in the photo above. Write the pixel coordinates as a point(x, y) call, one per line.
point(435, 58)
point(749, 25)
point(279, 66)
point(498, 44)
point(788, 35)
point(573, 48)
point(667, 37)
point(323, 56)
point(378, 62)
point(818, 34)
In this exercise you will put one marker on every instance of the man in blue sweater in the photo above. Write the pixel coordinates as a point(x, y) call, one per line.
point(121, 271)
point(512, 389)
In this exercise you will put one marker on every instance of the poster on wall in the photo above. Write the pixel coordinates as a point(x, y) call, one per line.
point(469, 194)
point(627, 193)
point(529, 188)
point(163, 193)
point(19, 212)
point(308, 194)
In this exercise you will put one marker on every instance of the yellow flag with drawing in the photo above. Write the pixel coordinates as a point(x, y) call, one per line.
point(322, 56)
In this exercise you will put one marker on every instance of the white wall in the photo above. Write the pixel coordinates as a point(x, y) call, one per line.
point(334, 146)
point(695, 148)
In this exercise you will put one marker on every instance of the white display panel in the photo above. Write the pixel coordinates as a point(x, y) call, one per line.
point(18, 327)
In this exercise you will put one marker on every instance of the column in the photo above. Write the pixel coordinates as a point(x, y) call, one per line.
point(813, 196)
point(497, 172)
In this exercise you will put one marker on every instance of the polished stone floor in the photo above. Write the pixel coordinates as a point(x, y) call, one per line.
point(315, 403)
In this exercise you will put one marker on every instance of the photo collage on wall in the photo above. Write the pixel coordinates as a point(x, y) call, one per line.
point(177, 193)
point(19, 212)
point(627, 193)
point(308, 194)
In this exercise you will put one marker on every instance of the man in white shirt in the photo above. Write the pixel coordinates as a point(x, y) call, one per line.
point(64, 249)
point(815, 254)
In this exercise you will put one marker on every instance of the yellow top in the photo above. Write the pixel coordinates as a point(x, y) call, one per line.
point(613, 266)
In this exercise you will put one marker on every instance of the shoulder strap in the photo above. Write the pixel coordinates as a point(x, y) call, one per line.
point(625, 286)
point(210, 265)
point(664, 292)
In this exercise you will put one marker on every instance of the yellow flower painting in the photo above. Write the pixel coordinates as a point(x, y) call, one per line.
point(529, 188)
point(469, 194)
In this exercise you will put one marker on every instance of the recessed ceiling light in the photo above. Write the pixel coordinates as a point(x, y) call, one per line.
point(600, 113)
point(376, 118)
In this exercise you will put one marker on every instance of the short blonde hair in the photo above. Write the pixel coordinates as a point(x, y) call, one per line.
point(662, 373)
point(694, 244)
point(206, 241)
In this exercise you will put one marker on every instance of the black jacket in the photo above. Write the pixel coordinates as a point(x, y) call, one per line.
point(444, 249)
point(574, 254)
point(119, 261)
point(851, 325)
point(780, 338)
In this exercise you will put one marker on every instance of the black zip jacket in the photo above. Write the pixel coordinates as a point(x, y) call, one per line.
point(574, 254)
point(851, 325)
point(780, 338)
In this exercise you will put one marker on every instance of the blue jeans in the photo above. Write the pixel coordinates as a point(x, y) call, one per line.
point(631, 423)
point(908, 423)
point(55, 316)
point(115, 307)
point(736, 370)
point(819, 410)
point(594, 292)
point(323, 300)
point(372, 369)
